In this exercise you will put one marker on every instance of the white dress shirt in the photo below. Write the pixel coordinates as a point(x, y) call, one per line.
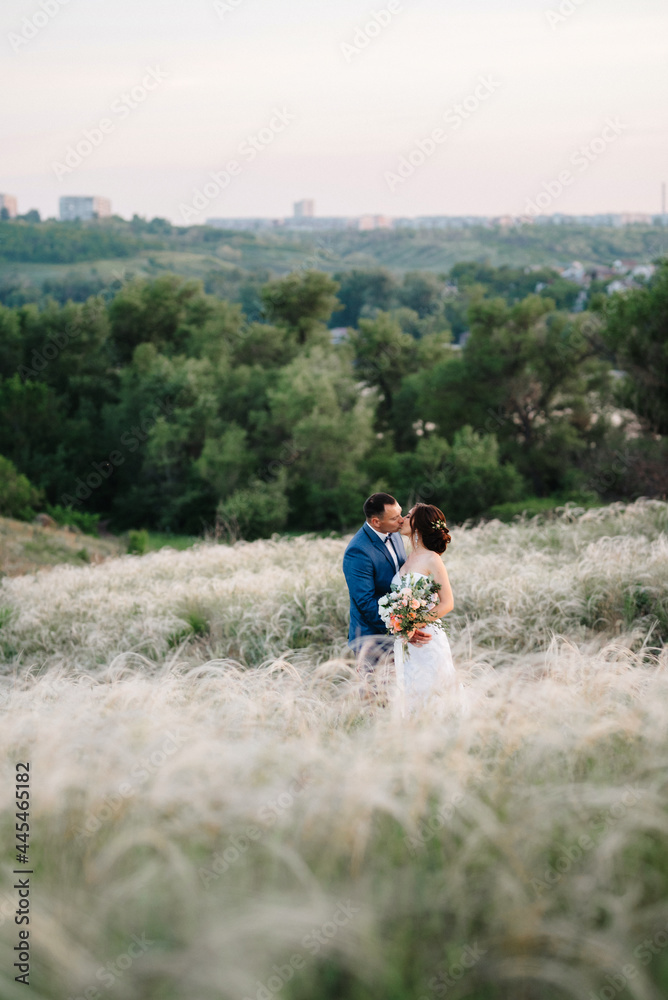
point(388, 545)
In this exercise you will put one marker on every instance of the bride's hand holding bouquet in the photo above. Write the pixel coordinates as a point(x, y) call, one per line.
point(410, 605)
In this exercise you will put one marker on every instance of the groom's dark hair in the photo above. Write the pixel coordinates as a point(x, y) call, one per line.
point(376, 504)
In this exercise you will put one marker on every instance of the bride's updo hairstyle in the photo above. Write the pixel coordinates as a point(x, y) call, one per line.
point(429, 522)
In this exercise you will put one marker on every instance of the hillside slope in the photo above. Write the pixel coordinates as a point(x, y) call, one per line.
point(26, 548)
point(199, 251)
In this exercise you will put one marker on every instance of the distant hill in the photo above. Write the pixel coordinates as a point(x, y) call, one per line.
point(74, 260)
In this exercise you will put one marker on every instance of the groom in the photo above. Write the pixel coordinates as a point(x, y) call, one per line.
point(370, 562)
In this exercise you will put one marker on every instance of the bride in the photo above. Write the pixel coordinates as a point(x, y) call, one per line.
point(426, 669)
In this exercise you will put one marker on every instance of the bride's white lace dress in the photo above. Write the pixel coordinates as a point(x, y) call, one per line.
point(425, 671)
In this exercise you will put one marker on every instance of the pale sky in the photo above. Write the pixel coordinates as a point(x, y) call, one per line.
point(353, 100)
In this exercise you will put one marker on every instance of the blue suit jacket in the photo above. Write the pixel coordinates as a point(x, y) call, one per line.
point(368, 568)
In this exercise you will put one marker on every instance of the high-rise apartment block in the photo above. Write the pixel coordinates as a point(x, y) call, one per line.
point(84, 208)
point(8, 206)
point(304, 209)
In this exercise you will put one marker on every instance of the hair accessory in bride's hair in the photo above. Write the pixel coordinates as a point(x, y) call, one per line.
point(440, 523)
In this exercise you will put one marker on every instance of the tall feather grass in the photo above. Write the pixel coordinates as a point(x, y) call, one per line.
point(206, 777)
point(585, 573)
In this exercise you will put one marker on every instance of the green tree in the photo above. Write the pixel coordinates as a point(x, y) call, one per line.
point(18, 497)
point(514, 283)
point(68, 349)
point(533, 376)
point(383, 356)
point(362, 292)
point(257, 510)
point(167, 410)
point(464, 478)
point(390, 361)
point(301, 302)
point(636, 329)
point(29, 241)
point(226, 459)
point(11, 346)
point(318, 408)
point(168, 312)
point(422, 292)
point(264, 345)
point(32, 430)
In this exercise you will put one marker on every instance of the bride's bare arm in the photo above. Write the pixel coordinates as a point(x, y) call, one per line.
point(446, 600)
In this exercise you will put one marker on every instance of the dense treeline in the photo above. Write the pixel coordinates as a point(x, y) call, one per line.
point(167, 406)
point(64, 243)
point(53, 242)
point(363, 292)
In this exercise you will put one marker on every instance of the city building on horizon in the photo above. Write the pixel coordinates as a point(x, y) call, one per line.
point(246, 225)
point(363, 223)
point(367, 222)
point(614, 219)
point(441, 222)
point(304, 209)
point(306, 223)
point(84, 208)
point(8, 206)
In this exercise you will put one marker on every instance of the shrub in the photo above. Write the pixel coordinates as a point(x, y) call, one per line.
point(81, 519)
point(532, 506)
point(464, 478)
point(197, 627)
point(256, 511)
point(18, 497)
point(138, 542)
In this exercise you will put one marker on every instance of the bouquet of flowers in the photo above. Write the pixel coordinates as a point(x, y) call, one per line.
point(410, 605)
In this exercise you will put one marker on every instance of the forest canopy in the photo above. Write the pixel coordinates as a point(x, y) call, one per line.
point(168, 407)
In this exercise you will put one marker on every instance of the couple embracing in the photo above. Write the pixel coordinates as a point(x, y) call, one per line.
point(373, 561)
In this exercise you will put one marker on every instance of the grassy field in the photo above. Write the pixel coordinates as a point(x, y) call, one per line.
point(216, 813)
